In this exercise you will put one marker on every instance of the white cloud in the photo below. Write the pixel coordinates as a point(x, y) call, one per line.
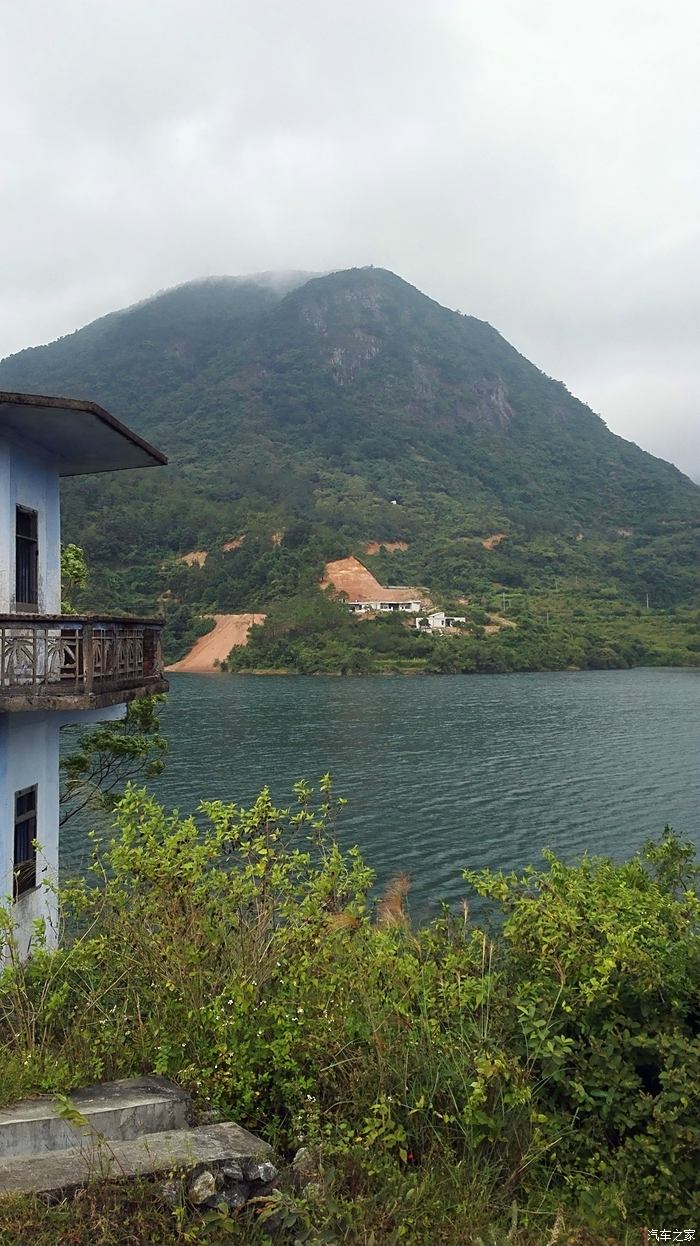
point(534, 164)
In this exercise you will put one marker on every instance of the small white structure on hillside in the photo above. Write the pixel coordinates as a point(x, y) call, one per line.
point(438, 621)
point(54, 669)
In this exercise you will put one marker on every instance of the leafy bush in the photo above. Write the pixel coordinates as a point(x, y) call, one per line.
point(111, 755)
point(450, 1080)
point(74, 577)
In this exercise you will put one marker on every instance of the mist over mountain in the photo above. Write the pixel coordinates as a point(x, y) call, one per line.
point(352, 407)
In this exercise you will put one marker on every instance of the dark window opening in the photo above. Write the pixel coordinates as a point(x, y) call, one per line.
point(25, 841)
point(26, 560)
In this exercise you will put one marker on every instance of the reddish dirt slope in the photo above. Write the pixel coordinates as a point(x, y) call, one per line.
point(230, 630)
point(492, 541)
point(198, 556)
point(374, 546)
point(347, 575)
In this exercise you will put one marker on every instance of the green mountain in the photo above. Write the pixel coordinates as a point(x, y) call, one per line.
point(342, 409)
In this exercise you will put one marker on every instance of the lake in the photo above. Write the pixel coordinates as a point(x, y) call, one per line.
point(447, 772)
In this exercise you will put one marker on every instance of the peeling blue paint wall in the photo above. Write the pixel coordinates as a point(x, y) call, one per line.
point(28, 479)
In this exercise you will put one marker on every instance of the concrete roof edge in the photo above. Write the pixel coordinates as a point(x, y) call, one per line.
point(90, 408)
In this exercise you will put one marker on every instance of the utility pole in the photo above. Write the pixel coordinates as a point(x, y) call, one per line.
point(647, 601)
point(548, 618)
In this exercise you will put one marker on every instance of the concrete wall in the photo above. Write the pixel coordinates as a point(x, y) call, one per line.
point(385, 607)
point(29, 479)
point(29, 755)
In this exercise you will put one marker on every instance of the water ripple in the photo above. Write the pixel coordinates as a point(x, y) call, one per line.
point(442, 772)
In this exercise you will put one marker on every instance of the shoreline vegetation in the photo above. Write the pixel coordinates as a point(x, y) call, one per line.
point(522, 616)
point(314, 634)
point(531, 1078)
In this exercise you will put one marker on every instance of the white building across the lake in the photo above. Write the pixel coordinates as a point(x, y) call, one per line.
point(389, 600)
point(439, 621)
point(55, 669)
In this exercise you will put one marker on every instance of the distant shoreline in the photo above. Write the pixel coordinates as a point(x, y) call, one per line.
point(544, 670)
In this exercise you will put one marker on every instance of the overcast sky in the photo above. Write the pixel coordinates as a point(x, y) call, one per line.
point(535, 163)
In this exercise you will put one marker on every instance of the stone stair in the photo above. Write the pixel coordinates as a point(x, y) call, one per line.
point(117, 1110)
point(138, 1127)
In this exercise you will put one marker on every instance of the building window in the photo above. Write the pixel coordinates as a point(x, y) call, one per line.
point(26, 560)
point(25, 845)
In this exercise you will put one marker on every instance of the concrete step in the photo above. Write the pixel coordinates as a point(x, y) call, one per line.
point(118, 1110)
point(54, 1174)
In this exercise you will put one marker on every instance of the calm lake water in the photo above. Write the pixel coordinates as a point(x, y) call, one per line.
point(445, 772)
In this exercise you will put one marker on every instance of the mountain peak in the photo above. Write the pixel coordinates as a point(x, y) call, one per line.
point(351, 401)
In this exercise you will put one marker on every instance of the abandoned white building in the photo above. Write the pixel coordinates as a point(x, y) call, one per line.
point(390, 599)
point(363, 594)
point(55, 669)
point(439, 621)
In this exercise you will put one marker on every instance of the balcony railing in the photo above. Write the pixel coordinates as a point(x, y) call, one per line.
point(86, 658)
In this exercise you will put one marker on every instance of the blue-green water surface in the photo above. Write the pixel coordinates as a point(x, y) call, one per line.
point(447, 772)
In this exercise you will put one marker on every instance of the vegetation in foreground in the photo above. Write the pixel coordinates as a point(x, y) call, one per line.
point(535, 1082)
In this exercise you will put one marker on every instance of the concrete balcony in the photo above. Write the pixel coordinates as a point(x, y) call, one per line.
point(72, 662)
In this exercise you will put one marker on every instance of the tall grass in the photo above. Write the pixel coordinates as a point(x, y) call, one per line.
point(449, 1083)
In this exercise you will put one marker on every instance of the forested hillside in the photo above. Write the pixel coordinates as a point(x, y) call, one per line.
point(313, 415)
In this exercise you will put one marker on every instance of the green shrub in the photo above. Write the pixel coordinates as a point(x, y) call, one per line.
point(444, 1076)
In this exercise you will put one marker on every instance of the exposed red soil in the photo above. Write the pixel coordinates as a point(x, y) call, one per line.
point(196, 556)
point(373, 547)
point(230, 630)
point(347, 575)
point(490, 542)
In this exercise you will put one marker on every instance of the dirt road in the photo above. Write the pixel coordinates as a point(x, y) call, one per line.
point(230, 630)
